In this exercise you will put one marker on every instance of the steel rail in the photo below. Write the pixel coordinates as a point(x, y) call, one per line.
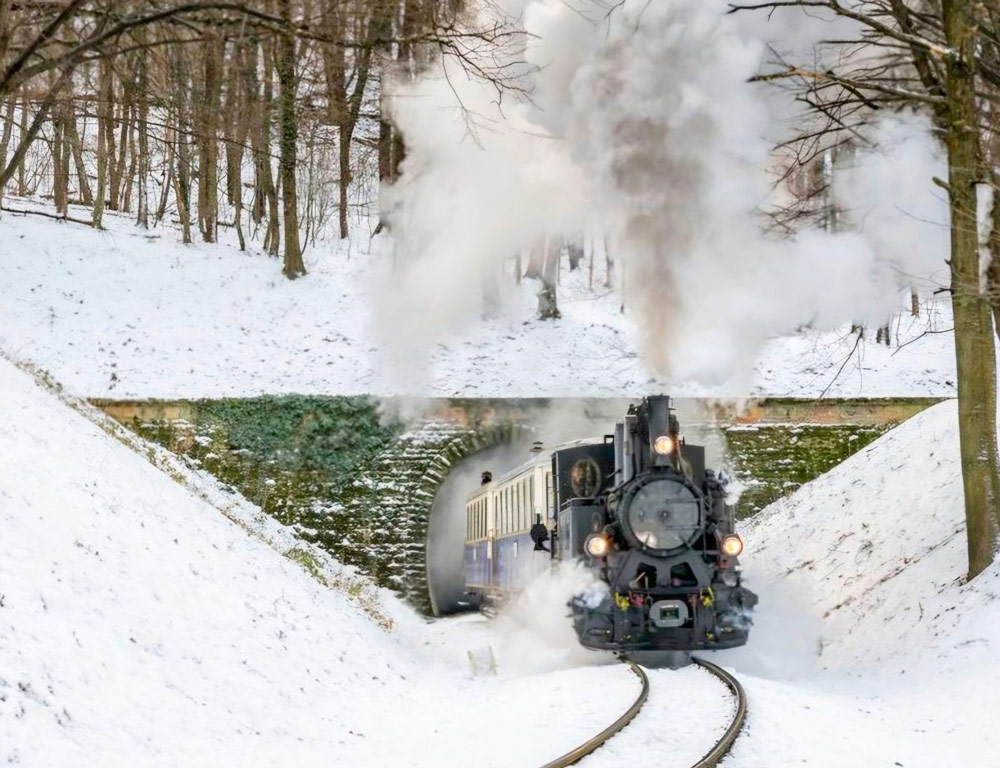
point(592, 744)
point(710, 760)
point(723, 745)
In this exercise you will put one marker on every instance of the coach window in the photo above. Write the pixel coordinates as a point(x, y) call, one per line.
point(522, 502)
point(520, 506)
point(526, 515)
point(526, 522)
point(513, 502)
point(506, 507)
point(513, 507)
point(549, 505)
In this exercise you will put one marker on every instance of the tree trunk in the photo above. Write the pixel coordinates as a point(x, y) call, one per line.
point(76, 145)
point(289, 131)
point(133, 161)
point(168, 174)
point(208, 150)
point(182, 151)
point(239, 101)
point(22, 183)
point(548, 306)
point(975, 351)
point(272, 237)
point(8, 129)
point(104, 125)
point(574, 250)
point(376, 28)
point(143, 164)
point(609, 266)
point(344, 183)
point(60, 171)
point(118, 167)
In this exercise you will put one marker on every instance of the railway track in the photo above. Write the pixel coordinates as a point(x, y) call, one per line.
point(710, 760)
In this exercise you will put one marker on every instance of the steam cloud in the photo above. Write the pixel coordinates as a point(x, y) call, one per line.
point(642, 126)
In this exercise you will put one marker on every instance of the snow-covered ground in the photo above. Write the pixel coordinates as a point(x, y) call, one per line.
point(133, 314)
point(148, 618)
point(870, 649)
point(139, 626)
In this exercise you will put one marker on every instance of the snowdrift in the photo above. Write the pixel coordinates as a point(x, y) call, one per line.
point(876, 550)
point(139, 626)
point(870, 648)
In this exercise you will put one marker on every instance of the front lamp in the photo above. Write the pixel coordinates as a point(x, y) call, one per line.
point(597, 546)
point(663, 445)
point(732, 545)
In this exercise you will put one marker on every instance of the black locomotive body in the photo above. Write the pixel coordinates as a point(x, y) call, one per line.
point(644, 512)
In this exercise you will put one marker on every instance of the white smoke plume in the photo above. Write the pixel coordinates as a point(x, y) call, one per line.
point(642, 125)
point(533, 631)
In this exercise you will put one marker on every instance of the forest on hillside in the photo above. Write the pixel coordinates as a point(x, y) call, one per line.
point(263, 116)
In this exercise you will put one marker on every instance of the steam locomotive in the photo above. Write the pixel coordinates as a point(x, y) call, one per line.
point(641, 510)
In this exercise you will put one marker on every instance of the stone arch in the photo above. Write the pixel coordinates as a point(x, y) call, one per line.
point(410, 501)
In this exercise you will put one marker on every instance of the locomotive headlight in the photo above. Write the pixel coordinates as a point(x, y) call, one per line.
point(732, 545)
point(597, 546)
point(663, 445)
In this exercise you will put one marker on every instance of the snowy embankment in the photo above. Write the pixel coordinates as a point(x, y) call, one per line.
point(140, 626)
point(130, 313)
point(869, 648)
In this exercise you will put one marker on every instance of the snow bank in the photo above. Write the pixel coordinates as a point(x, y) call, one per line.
point(131, 313)
point(876, 550)
point(869, 647)
point(140, 626)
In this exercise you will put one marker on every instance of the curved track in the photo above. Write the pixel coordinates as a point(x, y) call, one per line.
point(592, 744)
point(710, 760)
point(723, 745)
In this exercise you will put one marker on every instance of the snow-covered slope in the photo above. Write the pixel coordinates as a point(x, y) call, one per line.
point(129, 313)
point(139, 626)
point(870, 649)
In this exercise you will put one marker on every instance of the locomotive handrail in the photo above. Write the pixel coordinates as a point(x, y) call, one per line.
point(723, 745)
point(592, 744)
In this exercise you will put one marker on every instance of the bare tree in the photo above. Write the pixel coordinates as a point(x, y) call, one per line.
point(941, 59)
